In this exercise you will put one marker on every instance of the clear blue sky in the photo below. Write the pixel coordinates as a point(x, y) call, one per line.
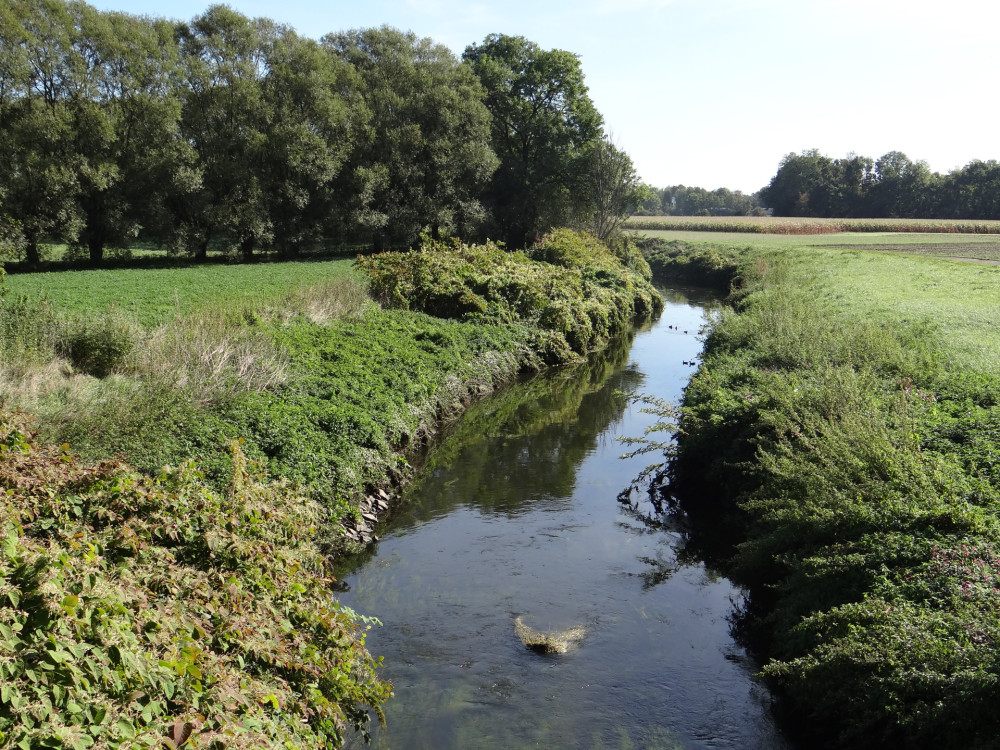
point(714, 92)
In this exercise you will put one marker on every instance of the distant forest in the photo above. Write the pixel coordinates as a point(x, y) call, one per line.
point(811, 184)
point(233, 133)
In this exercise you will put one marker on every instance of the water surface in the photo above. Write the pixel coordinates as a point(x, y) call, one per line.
point(516, 515)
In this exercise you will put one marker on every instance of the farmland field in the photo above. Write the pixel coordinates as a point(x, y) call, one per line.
point(808, 225)
point(984, 247)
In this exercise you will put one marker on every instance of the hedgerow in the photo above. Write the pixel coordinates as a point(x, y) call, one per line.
point(157, 612)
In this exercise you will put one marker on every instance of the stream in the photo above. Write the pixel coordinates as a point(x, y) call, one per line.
point(515, 515)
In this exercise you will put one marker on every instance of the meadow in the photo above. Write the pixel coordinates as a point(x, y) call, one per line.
point(944, 245)
point(152, 296)
point(844, 425)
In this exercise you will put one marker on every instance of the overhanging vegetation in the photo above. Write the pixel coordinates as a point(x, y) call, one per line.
point(845, 421)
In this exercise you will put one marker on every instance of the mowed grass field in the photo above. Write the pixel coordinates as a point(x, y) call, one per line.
point(155, 295)
point(957, 302)
point(950, 283)
point(946, 245)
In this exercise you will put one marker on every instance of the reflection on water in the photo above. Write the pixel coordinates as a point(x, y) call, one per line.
point(515, 515)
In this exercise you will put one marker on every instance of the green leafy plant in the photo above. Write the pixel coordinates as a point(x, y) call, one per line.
point(139, 612)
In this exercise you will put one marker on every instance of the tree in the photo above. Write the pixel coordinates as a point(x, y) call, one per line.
point(652, 204)
point(615, 188)
point(973, 192)
point(543, 123)
point(314, 116)
point(224, 117)
point(802, 185)
point(39, 82)
point(901, 188)
point(427, 155)
point(127, 131)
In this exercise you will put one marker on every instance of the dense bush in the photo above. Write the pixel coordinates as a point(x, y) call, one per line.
point(100, 345)
point(140, 612)
point(27, 327)
point(684, 262)
point(569, 285)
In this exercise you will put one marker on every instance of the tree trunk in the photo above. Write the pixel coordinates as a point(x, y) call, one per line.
point(31, 251)
point(96, 247)
point(201, 249)
point(246, 248)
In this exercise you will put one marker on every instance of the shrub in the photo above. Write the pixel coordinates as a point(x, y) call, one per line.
point(98, 346)
point(27, 327)
point(860, 478)
point(569, 284)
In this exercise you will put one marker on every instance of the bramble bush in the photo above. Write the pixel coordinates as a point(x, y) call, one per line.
point(138, 612)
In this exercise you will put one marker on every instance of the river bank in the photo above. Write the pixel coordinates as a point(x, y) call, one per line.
point(512, 528)
point(285, 448)
point(843, 423)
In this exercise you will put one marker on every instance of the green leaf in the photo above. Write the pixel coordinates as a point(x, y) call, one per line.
point(126, 729)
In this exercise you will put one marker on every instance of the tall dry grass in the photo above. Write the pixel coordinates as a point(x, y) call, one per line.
point(69, 370)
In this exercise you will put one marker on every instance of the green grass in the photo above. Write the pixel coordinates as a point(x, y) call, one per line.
point(844, 428)
point(980, 246)
point(155, 295)
point(959, 302)
point(798, 225)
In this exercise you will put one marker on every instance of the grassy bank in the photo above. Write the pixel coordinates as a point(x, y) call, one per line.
point(198, 597)
point(845, 424)
point(330, 389)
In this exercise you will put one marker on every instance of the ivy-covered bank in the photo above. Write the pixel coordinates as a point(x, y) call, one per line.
point(845, 424)
point(192, 606)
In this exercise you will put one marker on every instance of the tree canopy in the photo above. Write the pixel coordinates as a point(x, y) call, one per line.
point(893, 186)
point(235, 133)
point(544, 122)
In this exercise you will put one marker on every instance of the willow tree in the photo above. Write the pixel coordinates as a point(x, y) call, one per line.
point(40, 83)
point(128, 130)
point(427, 153)
point(614, 186)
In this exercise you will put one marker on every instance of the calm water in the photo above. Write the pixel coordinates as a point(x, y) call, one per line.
point(516, 516)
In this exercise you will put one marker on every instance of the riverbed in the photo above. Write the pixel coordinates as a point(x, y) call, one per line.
point(515, 516)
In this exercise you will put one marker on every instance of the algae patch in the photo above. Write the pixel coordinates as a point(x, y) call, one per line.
point(548, 642)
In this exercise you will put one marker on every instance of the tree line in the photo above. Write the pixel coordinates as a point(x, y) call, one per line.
point(237, 133)
point(892, 186)
point(681, 200)
point(812, 184)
